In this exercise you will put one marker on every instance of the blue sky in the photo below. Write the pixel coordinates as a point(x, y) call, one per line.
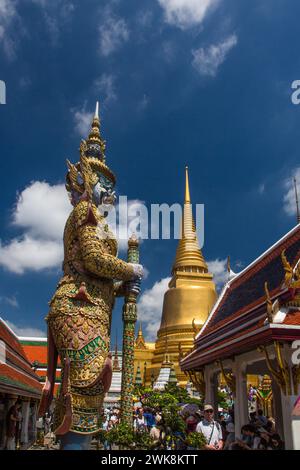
point(199, 82)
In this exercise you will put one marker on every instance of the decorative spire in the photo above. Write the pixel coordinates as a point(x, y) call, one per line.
point(297, 202)
point(96, 145)
point(187, 197)
point(140, 340)
point(188, 254)
point(138, 377)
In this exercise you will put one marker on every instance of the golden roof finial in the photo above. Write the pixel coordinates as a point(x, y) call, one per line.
point(188, 253)
point(140, 332)
point(140, 340)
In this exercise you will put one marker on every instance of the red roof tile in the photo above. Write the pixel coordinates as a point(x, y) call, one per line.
point(36, 351)
point(11, 377)
point(292, 318)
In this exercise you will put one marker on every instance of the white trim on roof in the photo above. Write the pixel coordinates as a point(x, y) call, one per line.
point(286, 326)
point(32, 338)
point(9, 328)
point(231, 281)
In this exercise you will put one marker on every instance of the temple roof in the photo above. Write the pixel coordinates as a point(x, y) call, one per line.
point(16, 373)
point(238, 320)
point(36, 350)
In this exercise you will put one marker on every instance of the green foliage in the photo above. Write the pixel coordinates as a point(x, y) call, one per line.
point(182, 395)
point(167, 403)
point(196, 440)
point(159, 400)
point(124, 436)
point(172, 418)
point(222, 399)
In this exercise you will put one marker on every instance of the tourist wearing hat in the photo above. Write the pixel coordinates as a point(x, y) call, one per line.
point(211, 429)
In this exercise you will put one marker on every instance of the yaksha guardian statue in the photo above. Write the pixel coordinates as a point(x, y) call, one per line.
point(79, 319)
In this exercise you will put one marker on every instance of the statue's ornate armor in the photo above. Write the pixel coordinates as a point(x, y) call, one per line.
point(80, 311)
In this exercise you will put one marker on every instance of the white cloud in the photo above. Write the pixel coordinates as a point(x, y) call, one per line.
point(150, 307)
point(132, 217)
point(105, 85)
point(10, 300)
point(113, 33)
point(7, 9)
point(218, 268)
point(25, 330)
point(289, 198)
point(56, 14)
point(207, 61)
point(144, 18)
point(83, 120)
point(27, 253)
point(8, 14)
point(41, 211)
point(186, 13)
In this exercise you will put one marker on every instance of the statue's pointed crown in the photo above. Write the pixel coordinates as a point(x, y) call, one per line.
point(92, 160)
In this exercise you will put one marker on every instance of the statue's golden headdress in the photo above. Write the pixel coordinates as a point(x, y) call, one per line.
point(82, 176)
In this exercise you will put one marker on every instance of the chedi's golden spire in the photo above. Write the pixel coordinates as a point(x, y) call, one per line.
point(189, 299)
point(188, 254)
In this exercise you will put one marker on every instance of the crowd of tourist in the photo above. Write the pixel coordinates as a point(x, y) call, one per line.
point(219, 431)
point(217, 428)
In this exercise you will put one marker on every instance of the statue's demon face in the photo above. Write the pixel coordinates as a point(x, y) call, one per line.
point(103, 191)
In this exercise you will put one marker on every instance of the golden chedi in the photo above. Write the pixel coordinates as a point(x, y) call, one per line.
point(189, 299)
